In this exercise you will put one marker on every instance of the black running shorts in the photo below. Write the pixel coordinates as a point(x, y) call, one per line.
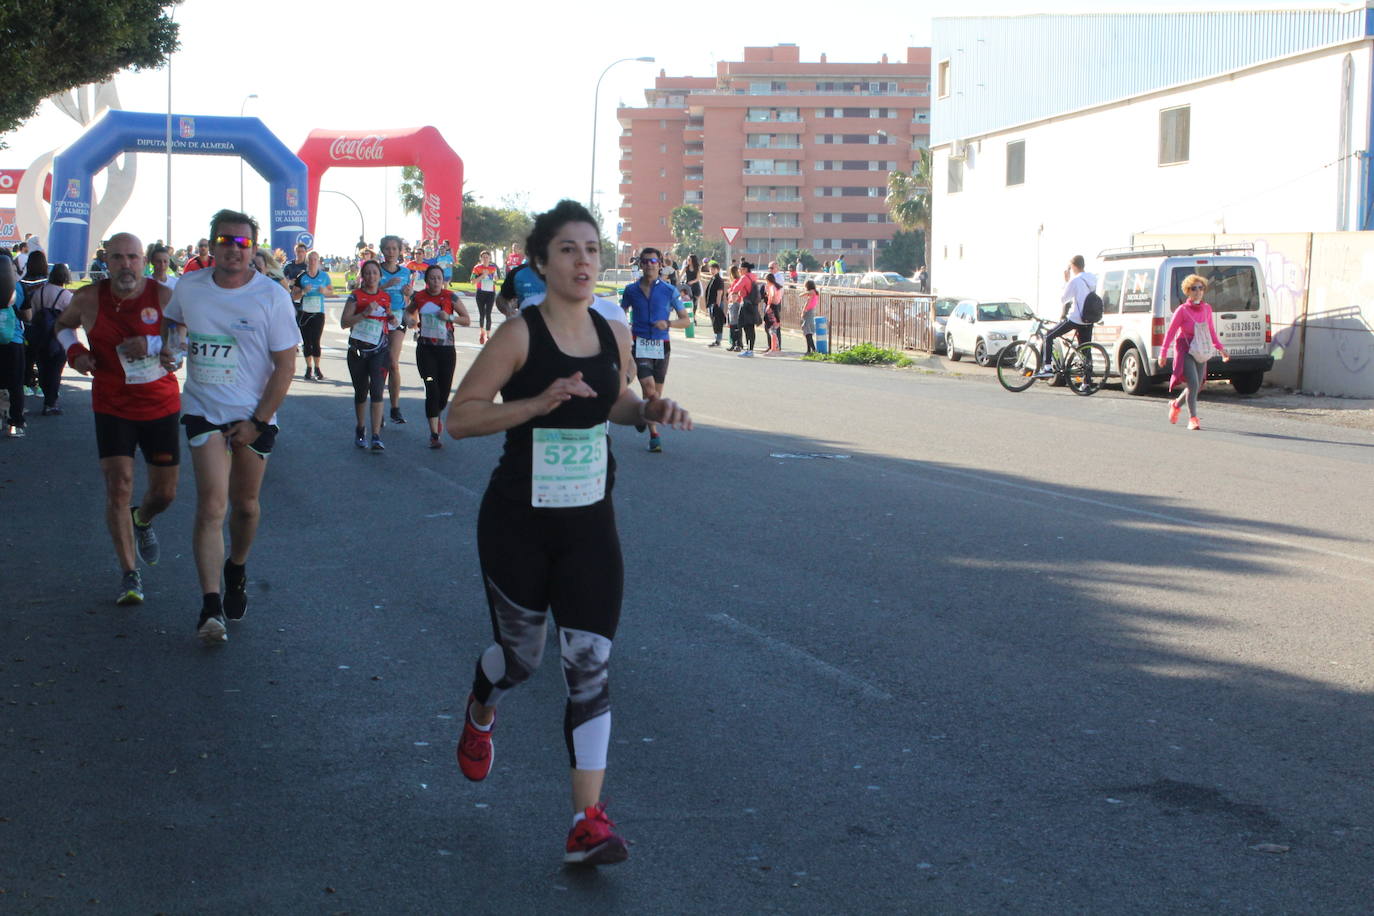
point(116, 437)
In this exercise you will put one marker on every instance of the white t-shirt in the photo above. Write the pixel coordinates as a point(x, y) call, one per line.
point(171, 281)
point(232, 334)
point(609, 310)
point(1076, 292)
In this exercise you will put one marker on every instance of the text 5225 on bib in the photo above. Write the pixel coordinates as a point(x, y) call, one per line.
point(569, 467)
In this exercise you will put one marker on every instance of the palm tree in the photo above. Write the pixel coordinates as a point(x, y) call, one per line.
point(908, 200)
point(412, 189)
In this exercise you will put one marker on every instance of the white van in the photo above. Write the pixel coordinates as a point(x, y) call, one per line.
point(1140, 289)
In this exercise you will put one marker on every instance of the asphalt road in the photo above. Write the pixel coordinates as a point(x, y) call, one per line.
point(893, 642)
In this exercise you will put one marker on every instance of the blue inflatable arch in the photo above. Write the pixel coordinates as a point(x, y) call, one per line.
point(146, 132)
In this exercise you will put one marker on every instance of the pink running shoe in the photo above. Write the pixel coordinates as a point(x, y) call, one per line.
point(1193, 423)
point(1173, 412)
point(591, 841)
point(474, 747)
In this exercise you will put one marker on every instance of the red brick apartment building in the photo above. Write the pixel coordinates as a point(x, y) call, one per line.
point(796, 153)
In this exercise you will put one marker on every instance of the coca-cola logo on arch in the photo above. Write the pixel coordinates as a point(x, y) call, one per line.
point(357, 149)
point(430, 212)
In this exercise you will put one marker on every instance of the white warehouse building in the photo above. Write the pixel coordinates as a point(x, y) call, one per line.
point(1055, 135)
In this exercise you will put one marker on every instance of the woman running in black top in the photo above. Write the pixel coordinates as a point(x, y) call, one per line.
point(546, 534)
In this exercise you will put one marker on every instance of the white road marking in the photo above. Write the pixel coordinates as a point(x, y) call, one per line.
point(806, 658)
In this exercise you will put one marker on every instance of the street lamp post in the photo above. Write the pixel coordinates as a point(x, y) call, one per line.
point(769, 252)
point(873, 243)
point(596, 96)
point(251, 95)
point(170, 244)
point(362, 225)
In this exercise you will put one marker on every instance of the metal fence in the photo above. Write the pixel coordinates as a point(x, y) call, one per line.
point(896, 321)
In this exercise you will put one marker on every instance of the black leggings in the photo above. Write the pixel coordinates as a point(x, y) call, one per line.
point(1085, 334)
point(312, 328)
point(485, 300)
point(12, 369)
point(748, 330)
point(51, 362)
point(566, 561)
point(436, 363)
point(367, 369)
point(717, 321)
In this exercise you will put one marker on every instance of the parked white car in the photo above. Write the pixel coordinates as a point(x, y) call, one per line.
point(982, 327)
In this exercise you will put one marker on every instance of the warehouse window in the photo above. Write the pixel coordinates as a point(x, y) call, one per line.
point(1016, 162)
point(955, 176)
point(1173, 135)
point(942, 80)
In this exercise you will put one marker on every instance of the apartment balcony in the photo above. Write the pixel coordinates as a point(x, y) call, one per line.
point(778, 126)
point(773, 206)
point(625, 190)
point(774, 177)
point(838, 93)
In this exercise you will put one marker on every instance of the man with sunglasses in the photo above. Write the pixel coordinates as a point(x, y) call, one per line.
point(241, 340)
point(654, 304)
point(1079, 284)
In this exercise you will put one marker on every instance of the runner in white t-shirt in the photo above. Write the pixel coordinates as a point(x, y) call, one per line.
point(241, 339)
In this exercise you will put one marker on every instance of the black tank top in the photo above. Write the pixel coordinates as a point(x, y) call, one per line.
point(544, 364)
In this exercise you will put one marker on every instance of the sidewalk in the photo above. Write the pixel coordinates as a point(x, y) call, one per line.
point(1349, 413)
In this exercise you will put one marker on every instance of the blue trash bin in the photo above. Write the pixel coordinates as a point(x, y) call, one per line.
point(822, 334)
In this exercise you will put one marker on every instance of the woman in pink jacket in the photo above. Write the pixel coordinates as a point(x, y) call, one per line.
point(1191, 318)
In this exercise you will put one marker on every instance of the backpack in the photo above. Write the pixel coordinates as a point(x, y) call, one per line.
point(1092, 308)
point(751, 302)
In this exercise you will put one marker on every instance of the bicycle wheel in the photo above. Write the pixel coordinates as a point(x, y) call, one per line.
point(1078, 368)
point(1101, 362)
point(1016, 366)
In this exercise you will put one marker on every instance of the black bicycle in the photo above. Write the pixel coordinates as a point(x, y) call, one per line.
point(1083, 367)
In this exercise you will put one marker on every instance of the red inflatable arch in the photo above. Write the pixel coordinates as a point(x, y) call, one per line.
point(423, 147)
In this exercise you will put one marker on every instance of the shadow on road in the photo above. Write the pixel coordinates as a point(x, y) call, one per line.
point(842, 684)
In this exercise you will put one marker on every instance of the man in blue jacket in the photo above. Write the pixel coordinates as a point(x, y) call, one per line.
point(653, 305)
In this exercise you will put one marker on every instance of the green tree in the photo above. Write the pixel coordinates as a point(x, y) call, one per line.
point(412, 190)
point(790, 256)
point(468, 255)
point(686, 222)
point(908, 201)
point(50, 46)
point(903, 254)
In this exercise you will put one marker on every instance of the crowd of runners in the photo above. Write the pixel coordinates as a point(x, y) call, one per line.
point(550, 378)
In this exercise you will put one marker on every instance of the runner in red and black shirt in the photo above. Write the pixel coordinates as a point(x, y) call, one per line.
point(368, 318)
point(202, 258)
point(435, 310)
point(484, 289)
point(136, 402)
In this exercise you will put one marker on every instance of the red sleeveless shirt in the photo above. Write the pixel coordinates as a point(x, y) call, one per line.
point(115, 320)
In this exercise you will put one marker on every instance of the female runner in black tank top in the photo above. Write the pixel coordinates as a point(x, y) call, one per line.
point(546, 534)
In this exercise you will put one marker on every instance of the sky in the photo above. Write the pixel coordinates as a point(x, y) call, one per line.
point(510, 90)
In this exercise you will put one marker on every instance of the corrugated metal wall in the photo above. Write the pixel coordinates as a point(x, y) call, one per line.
point(1008, 70)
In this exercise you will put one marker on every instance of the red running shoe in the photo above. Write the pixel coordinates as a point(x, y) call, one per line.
point(591, 841)
point(474, 747)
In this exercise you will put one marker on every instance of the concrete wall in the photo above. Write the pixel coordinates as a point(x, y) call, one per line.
point(1265, 153)
point(1321, 300)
